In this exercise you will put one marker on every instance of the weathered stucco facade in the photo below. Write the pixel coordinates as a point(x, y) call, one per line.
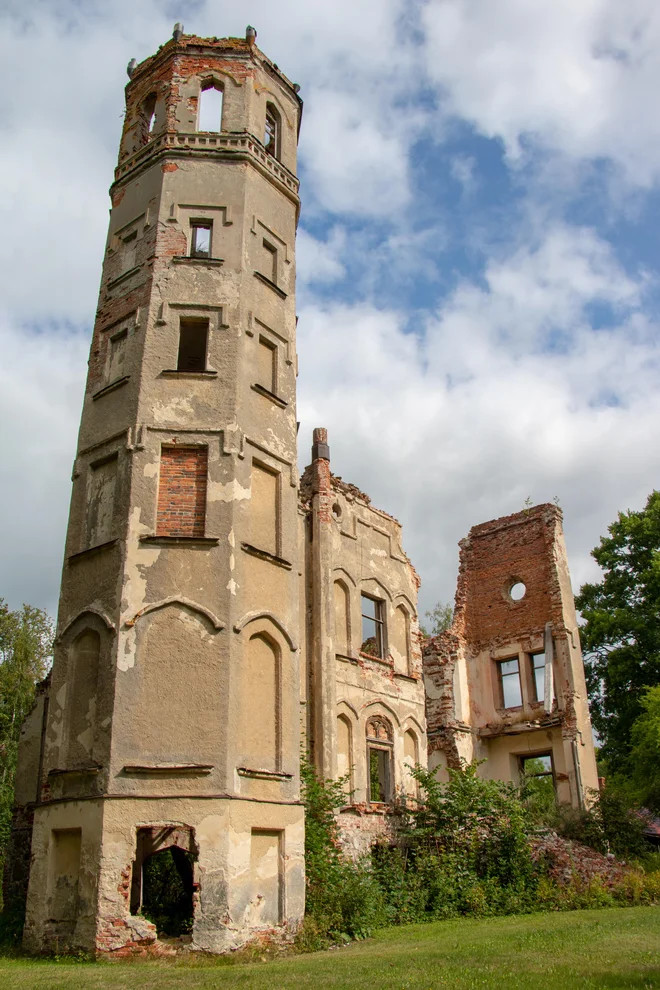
point(216, 611)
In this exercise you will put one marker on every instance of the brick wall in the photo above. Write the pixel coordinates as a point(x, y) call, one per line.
point(182, 491)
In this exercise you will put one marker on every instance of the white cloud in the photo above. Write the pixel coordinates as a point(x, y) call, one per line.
point(320, 261)
point(578, 77)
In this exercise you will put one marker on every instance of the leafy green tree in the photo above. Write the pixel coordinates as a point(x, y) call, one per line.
point(440, 617)
point(26, 639)
point(644, 759)
point(621, 635)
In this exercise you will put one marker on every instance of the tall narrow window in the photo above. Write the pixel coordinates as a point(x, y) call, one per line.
point(342, 619)
point(117, 356)
point(148, 118)
point(129, 252)
point(182, 491)
point(538, 675)
point(82, 710)
point(64, 879)
point(267, 365)
point(399, 640)
point(264, 508)
point(101, 485)
point(373, 626)
point(270, 260)
point(209, 117)
point(345, 754)
point(200, 239)
point(379, 758)
point(272, 131)
point(260, 715)
point(411, 759)
point(193, 338)
point(509, 673)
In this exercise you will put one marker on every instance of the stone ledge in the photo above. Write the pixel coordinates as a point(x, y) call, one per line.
point(272, 558)
point(267, 394)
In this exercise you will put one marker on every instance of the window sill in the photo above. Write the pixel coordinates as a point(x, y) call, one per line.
point(168, 769)
point(124, 275)
point(111, 387)
point(76, 771)
point(407, 677)
point(271, 285)
point(263, 774)
point(203, 542)
point(175, 373)
point(272, 558)
point(188, 259)
point(380, 660)
point(90, 551)
point(275, 399)
point(346, 659)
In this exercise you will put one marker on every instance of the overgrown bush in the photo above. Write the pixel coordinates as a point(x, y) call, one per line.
point(610, 825)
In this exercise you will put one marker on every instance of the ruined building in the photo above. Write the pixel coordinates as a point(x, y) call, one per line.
point(216, 611)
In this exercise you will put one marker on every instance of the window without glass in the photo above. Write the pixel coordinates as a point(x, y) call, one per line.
point(379, 758)
point(509, 671)
point(267, 365)
point(272, 131)
point(373, 626)
point(148, 117)
point(209, 117)
point(193, 337)
point(538, 777)
point(200, 241)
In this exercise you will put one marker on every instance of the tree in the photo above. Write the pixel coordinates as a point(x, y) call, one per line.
point(621, 635)
point(440, 617)
point(644, 758)
point(26, 640)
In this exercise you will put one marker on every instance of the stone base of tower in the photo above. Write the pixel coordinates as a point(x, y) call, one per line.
point(247, 872)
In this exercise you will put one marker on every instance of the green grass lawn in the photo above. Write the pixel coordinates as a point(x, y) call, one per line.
point(615, 947)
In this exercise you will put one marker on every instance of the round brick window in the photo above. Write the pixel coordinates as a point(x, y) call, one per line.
point(517, 591)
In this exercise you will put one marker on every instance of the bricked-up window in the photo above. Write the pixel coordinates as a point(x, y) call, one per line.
point(509, 673)
point(117, 356)
point(379, 758)
point(270, 261)
point(182, 491)
point(200, 240)
point(101, 484)
point(373, 626)
point(193, 338)
point(209, 117)
point(267, 365)
point(272, 131)
point(264, 508)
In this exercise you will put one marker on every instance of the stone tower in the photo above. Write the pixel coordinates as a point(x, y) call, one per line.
point(173, 721)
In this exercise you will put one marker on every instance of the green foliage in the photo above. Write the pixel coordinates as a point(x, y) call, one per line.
point(26, 638)
point(167, 892)
point(644, 760)
point(621, 635)
point(609, 825)
point(343, 899)
point(440, 618)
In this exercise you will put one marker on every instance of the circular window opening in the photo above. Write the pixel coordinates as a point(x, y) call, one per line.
point(336, 510)
point(517, 591)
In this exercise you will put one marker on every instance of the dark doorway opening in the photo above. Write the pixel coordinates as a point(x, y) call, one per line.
point(167, 891)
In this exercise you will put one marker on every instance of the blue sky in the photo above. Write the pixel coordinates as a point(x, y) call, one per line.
point(477, 259)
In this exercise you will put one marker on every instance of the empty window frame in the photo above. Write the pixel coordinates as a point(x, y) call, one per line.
point(510, 687)
point(182, 492)
point(209, 116)
point(272, 131)
point(373, 626)
point(193, 342)
point(267, 365)
point(379, 759)
point(148, 118)
point(537, 777)
point(270, 261)
point(200, 239)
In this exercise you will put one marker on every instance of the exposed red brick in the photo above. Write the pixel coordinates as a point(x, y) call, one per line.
point(182, 491)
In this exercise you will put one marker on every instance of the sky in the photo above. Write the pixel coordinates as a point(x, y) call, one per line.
point(478, 289)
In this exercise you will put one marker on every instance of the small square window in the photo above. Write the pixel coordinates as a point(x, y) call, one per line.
point(373, 626)
point(200, 244)
point(193, 337)
point(509, 671)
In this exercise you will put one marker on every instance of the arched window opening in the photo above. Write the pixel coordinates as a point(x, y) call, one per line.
point(272, 132)
point(379, 759)
point(261, 721)
point(209, 117)
point(345, 754)
point(149, 119)
point(410, 760)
